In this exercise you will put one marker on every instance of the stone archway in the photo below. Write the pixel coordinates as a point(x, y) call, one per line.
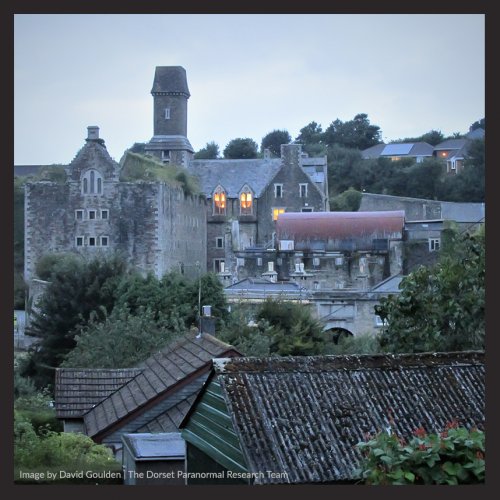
point(337, 333)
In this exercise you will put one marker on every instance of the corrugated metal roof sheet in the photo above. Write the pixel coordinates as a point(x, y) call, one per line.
point(79, 389)
point(164, 445)
point(303, 416)
point(339, 225)
point(161, 372)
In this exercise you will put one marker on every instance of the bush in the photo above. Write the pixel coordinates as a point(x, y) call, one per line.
point(454, 456)
point(55, 451)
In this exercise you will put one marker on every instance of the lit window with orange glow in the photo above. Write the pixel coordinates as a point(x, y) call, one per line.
point(219, 201)
point(277, 211)
point(246, 202)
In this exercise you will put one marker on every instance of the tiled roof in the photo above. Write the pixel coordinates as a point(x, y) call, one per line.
point(373, 151)
point(170, 420)
point(170, 79)
point(233, 175)
point(450, 144)
point(77, 390)
point(305, 415)
point(161, 373)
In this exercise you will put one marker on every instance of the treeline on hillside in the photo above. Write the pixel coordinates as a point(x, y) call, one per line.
point(343, 142)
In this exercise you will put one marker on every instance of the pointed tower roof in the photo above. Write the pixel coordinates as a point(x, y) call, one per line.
point(170, 80)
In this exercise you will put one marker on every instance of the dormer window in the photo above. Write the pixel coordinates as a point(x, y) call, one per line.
point(220, 201)
point(246, 201)
point(92, 182)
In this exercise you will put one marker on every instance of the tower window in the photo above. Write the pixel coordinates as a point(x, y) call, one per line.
point(219, 242)
point(219, 201)
point(167, 113)
point(79, 214)
point(79, 241)
point(91, 241)
point(278, 190)
point(92, 182)
point(104, 241)
point(105, 214)
point(92, 214)
point(246, 202)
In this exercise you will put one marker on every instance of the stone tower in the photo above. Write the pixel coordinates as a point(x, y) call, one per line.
point(170, 94)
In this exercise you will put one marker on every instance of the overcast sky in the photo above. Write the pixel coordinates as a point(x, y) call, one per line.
point(247, 74)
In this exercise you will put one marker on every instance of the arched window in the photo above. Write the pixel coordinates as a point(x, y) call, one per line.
point(220, 201)
point(92, 182)
point(246, 201)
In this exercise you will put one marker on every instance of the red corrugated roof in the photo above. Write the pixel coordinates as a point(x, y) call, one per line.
point(338, 225)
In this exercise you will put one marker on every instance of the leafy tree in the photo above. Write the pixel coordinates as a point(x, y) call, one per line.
point(345, 170)
point(433, 137)
point(122, 340)
point(454, 456)
point(77, 290)
point(275, 328)
point(138, 147)
point(209, 152)
point(312, 133)
point(478, 124)
point(294, 331)
point(359, 344)
point(357, 133)
point(423, 179)
point(273, 141)
point(243, 148)
point(440, 308)
point(348, 201)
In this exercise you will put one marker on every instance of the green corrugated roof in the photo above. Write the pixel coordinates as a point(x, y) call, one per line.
point(211, 430)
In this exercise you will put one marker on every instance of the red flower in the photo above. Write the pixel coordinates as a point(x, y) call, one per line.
point(420, 432)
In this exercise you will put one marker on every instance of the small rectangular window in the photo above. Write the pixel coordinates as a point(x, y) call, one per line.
point(92, 214)
point(79, 214)
point(167, 113)
point(259, 261)
point(434, 244)
point(240, 261)
point(315, 261)
point(306, 209)
point(104, 241)
point(219, 242)
point(79, 241)
point(303, 190)
point(278, 190)
point(277, 211)
point(104, 214)
point(219, 265)
point(91, 241)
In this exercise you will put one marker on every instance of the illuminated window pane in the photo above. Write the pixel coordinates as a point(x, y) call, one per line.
point(246, 203)
point(277, 211)
point(219, 202)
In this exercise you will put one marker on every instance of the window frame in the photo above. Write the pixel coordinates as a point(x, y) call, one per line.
point(101, 240)
point(434, 244)
point(246, 191)
point(89, 214)
point(275, 211)
point(219, 239)
point(104, 211)
point(216, 208)
point(303, 185)
point(79, 211)
point(77, 238)
point(278, 190)
point(94, 239)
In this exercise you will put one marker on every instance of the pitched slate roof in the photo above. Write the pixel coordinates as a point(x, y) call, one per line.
point(373, 151)
point(170, 79)
point(77, 390)
point(161, 373)
point(170, 420)
point(305, 415)
point(232, 175)
point(450, 144)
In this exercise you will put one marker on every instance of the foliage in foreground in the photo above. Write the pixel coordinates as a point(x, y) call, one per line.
point(69, 451)
point(441, 308)
point(454, 456)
